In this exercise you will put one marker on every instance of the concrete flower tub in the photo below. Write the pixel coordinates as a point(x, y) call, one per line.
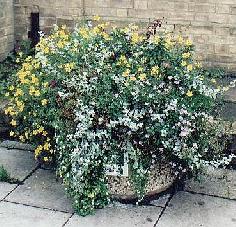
point(160, 179)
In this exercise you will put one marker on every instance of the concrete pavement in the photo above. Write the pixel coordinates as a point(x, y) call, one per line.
point(38, 200)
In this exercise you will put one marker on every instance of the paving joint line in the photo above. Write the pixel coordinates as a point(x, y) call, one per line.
point(163, 209)
point(38, 207)
point(15, 148)
point(67, 220)
point(21, 182)
point(215, 196)
point(9, 193)
point(30, 174)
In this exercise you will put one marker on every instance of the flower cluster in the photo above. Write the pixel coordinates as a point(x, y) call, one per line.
point(96, 95)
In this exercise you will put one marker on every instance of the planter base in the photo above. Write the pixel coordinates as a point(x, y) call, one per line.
point(160, 180)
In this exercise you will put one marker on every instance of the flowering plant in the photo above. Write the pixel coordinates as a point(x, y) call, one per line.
point(96, 95)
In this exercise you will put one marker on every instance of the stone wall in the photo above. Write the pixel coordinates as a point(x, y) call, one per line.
point(211, 24)
point(50, 11)
point(6, 27)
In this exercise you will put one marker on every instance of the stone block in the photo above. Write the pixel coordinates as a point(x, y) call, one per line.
point(20, 215)
point(161, 201)
point(9, 144)
point(186, 209)
point(128, 4)
point(5, 189)
point(42, 190)
point(18, 163)
point(140, 4)
point(160, 5)
point(222, 8)
point(121, 12)
point(229, 111)
point(68, 22)
point(217, 182)
point(222, 49)
point(233, 10)
point(206, 30)
point(117, 216)
point(199, 7)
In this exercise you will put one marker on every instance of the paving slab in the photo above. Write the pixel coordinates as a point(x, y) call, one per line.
point(119, 216)
point(18, 215)
point(5, 188)
point(18, 163)
point(228, 112)
point(218, 182)
point(161, 201)
point(194, 210)
point(16, 145)
point(42, 190)
point(230, 95)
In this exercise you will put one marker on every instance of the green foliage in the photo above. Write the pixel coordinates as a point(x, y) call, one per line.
point(12, 64)
point(94, 96)
point(4, 175)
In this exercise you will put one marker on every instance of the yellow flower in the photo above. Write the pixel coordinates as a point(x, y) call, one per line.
point(8, 110)
point(47, 146)
point(188, 42)
point(11, 88)
point(7, 94)
point(17, 60)
point(156, 39)
point(22, 138)
point(186, 55)
point(19, 92)
point(142, 76)
point(168, 43)
point(38, 150)
point(31, 90)
point(20, 54)
point(180, 39)
point(132, 78)
point(183, 63)
point(84, 33)
point(105, 36)
point(45, 159)
point(198, 65)
point(41, 129)
point(63, 27)
point(12, 133)
point(35, 132)
point(122, 60)
point(96, 30)
point(46, 50)
point(19, 103)
point(69, 67)
point(189, 93)
point(44, 133)
point(37, 93)
point(140, 69)
point(190, 67)
point(13, 122)
point(126, 73)
point(96, 18)
point(60, 44)
point(135, 38)
point(45, 84)
point(213, 81)
point(34, 79)
point(44, 102)
point(154, 70)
